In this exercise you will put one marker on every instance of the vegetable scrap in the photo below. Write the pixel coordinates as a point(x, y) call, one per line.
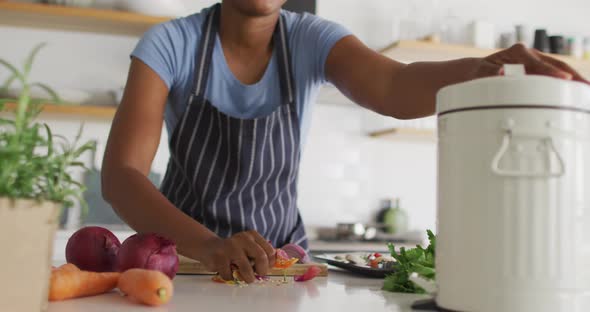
point(283, 261)
point(308, 275)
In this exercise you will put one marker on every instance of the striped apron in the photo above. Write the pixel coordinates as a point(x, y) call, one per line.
point(233, 174)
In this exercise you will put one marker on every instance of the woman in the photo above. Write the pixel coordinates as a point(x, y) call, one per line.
point(234, 84)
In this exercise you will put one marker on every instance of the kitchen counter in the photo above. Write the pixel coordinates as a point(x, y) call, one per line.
point(340, 291)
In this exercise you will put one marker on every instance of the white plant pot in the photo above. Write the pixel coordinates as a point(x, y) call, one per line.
point(27, 230)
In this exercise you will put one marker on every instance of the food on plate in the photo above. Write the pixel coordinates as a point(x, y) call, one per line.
point(149, 287)
point(70, 282)
point(295, 251)
point(312, 272)
point(356, 259)
point(417, 260)
point(148, 251)
point(93, 248)
point(372, 260)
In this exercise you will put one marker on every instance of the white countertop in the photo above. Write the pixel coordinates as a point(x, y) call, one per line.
point(340, 291)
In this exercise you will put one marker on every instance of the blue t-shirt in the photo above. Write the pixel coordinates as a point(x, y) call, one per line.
point(169, 49)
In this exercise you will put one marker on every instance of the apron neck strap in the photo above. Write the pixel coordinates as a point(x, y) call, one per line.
point(207, 45)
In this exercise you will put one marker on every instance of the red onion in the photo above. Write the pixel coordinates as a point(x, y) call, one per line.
point(308, 275)
point(148, 251)
point(93, 248)
point(295, 251)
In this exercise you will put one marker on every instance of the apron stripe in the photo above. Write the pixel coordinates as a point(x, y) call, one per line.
point(261, 171)
point(210, 174)
point(197, 169)
point(286, 59)
point(292, 200)
point(204, 55)
point(245, 183)
point(189, 150)
point(270, 173)
point(236, 179)
point(165, 185)
point(214, 206)
point(301, 239)
point(280, 188)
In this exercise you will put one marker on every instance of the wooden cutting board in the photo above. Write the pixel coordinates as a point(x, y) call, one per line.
point(190, 266)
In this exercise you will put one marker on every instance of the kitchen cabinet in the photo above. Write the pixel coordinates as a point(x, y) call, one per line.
point(84, 111)
point(46, 16)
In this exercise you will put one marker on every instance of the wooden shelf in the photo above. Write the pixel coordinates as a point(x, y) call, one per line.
point(80, 111)
point(47, 16)
point(401, 134)
point(414, 51)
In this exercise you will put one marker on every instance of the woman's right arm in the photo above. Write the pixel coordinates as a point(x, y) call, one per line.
point(132, 145)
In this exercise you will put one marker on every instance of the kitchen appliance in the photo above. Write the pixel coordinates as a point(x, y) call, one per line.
point(513, 203)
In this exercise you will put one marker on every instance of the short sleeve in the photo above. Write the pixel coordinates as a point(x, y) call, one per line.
point(317, 37)
point(156, 50)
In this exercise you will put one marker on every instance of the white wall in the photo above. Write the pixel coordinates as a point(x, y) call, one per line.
point(343, 173)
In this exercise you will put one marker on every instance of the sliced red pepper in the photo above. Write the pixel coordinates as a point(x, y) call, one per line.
point(283, 261)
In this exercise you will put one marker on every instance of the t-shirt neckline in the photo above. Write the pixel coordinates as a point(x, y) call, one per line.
point(229, 76)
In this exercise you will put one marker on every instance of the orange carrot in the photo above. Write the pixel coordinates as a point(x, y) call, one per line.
point(70, 283)
point(146, 286)
point(67, 267)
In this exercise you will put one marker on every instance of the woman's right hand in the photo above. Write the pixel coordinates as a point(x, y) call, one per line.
point(249, 251)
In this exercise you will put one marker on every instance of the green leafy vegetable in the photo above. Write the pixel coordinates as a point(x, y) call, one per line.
point(34, 162)
point(417, 260)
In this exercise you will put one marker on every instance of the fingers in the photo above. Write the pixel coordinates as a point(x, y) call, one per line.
point(249, 249)
point(224, 270)
point(536, 65)
point(561, 65)
point(534, 62)
point(261, 263)
point(267, 247)
point(488, 69)
point(244, 268)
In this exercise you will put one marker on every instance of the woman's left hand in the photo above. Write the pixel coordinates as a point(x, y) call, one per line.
point(535, 62)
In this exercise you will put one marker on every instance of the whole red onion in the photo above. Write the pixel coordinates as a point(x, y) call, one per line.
point(93, 248)
point(148, 251)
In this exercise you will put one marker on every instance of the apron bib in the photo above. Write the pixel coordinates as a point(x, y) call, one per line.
point(231, 174)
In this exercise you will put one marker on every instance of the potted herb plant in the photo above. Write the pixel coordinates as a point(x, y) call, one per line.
point(35, 184)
